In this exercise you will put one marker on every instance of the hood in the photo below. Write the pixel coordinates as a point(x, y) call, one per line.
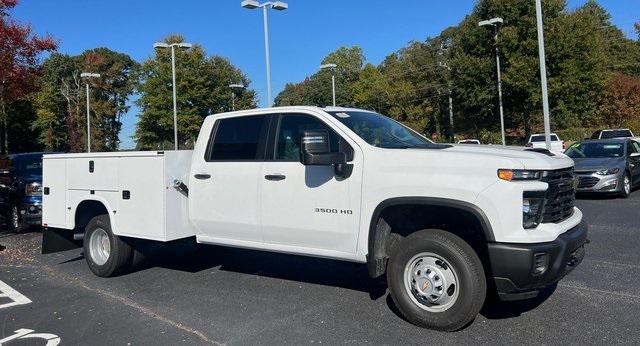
point(522, 155)
point(597, 163)
point(33, 178)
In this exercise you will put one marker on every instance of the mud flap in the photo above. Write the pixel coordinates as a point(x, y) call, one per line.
point(57, 240)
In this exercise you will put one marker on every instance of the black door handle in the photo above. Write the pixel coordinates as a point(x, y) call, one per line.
point(274, 177)
point(202, 176)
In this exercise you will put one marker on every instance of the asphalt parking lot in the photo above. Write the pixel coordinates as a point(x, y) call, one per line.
point(232, 296)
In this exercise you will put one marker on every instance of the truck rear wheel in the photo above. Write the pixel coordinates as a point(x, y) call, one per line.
point(436, 280)
point(106, 254)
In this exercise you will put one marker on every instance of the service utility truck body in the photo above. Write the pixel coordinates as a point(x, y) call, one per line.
point(446, 224)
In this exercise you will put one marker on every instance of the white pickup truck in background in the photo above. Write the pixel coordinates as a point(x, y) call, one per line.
point(538, 141)
point(445, 223)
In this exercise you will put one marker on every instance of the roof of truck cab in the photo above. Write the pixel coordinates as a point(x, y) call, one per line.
point(266, 110)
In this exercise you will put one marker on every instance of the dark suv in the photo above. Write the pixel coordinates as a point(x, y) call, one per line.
point(21, 190)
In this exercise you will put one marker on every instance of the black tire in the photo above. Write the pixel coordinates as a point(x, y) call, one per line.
point(120, 254)
point(623, 192)
point(472, 286)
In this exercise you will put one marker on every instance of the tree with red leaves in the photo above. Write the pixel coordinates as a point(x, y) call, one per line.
point(20, 51)
point(621, 100)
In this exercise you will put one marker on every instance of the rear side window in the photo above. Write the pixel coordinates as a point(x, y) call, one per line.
point(238, 139)
point(540, 138)
point(616, 134)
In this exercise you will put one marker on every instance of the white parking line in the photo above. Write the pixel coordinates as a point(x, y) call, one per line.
point(16, 297)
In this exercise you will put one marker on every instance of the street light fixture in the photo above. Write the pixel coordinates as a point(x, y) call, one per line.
point(183, 45)
point(233, 94)
point(495, 23)
point(331, 67)
point(88, 76)
point(276, 5)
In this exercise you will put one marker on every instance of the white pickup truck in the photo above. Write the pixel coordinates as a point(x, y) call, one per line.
point(447, 224)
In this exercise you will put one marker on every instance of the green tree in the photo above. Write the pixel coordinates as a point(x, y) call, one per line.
point(584, 50)
point(202, 89)
point(60, 103)
point(20, 117)
point(316, 89)
point(109, 94)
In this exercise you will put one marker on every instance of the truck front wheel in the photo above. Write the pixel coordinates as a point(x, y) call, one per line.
point(436, 280)
point(106, 254)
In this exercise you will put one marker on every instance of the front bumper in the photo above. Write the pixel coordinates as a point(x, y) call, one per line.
point(31, 213)
point(599, 183)
point(516, 267)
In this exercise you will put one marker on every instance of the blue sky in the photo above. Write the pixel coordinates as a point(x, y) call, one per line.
point(300, 36)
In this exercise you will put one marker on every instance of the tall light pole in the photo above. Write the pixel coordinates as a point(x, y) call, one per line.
point(495, 22)
point(88, 76)
point(234, 87)
point(543, 76)
point(452, 132)
point(331, 67)
point(276, 5)
point(173, 74)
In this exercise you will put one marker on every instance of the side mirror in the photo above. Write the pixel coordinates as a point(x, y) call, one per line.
point(316, 151)
point(635, 155)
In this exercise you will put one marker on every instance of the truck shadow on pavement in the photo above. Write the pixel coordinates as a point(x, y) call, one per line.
point(186, 256)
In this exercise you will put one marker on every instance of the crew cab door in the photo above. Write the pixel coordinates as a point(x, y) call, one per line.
point(308, 206)
point(224, 191)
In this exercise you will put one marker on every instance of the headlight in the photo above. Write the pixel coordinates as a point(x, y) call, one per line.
point(608, 171)
point(518, 174)
point(33, 189)
point(531, 212)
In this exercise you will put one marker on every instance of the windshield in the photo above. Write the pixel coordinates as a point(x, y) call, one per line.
point(595, 150)
point(616, 134)
point(28, 165)
point(380, 131)
point(540, 138)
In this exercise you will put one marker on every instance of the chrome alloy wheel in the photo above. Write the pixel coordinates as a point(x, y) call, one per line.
point(15, 218)
point(431, 282)
point(99, 246)
point(627, 185)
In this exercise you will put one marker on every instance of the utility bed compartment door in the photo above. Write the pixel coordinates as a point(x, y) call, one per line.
point(99, 173)
point(141, 208)
point(54, 197)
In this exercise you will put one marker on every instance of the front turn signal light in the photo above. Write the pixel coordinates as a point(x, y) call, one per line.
point(519, 174)
point(505, 174)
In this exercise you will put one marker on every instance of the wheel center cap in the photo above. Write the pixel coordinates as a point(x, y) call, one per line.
point(424, 285)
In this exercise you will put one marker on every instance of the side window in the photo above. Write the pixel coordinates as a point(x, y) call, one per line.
point(238, 139)
point(634, 147)
point(290, 131)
